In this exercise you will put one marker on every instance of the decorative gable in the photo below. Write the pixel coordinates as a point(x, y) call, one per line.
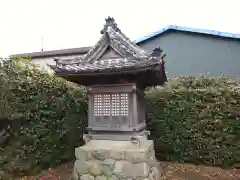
point(113, 44)
point(110, 53)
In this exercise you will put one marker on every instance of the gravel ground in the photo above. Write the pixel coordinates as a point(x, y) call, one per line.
point(171, 171)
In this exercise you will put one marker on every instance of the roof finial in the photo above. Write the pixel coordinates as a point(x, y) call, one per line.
point(110, 22)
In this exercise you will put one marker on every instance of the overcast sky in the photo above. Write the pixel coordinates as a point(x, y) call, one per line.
point(76, 23)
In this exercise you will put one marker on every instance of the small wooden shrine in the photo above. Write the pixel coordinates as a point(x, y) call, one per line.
point(116, 71)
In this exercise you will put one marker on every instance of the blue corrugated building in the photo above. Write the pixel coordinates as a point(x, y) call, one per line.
point(192, 51)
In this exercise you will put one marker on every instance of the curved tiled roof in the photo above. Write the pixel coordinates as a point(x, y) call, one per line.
point(129, 54)
point(188, 29)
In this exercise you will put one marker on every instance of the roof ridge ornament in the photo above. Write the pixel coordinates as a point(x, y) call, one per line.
point(110, 22)
point(156, 52)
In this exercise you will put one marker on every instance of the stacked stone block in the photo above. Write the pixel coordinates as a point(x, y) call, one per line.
point(116, 160)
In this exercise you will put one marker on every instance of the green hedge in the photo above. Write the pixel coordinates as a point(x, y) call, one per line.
point(46, 116)
point(196, 119)
point(193, 119)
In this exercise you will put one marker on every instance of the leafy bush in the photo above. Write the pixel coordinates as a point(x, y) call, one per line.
point(196, 119)
point(45, 115)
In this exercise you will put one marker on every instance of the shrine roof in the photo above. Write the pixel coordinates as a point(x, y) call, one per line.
point(113, 52)
point(113, 65)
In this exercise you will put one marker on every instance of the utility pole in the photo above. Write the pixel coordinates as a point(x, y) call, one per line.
point(42, 44)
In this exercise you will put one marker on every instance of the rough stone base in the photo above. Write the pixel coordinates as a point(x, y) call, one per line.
point(116, 160)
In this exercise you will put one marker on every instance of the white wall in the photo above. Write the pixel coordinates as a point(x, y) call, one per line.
point(42, 63)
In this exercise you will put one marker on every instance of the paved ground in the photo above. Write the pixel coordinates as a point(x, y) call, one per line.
point(171, 171)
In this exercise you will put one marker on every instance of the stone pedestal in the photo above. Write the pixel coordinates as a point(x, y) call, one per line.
point(116, 160)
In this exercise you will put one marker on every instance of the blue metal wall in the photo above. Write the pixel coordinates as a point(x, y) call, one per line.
point(194, 54)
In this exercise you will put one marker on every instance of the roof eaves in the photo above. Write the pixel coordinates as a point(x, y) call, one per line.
point(53, 53)
point(188, 29)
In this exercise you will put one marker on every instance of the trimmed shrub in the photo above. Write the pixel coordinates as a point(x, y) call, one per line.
point(45, 114)
point(191, 119)
point(196, 119)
